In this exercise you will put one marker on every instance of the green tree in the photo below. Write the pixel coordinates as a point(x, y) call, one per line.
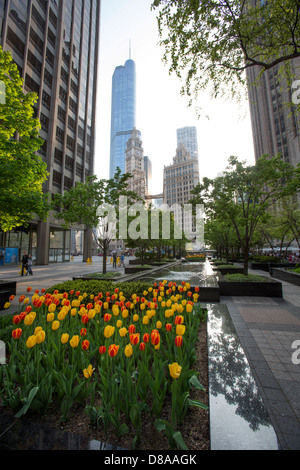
point(213, 42)
point(22, 171)
point(244, 194)
point(95, 204)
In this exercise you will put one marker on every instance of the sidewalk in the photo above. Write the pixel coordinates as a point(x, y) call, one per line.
point(48, 275)
point(267, 328)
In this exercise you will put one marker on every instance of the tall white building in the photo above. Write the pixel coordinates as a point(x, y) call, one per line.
point(134, 163)
point(179, 179)
point(188, 137)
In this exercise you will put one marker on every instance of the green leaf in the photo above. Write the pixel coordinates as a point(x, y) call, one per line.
point(194, 382)
point(177, 436)
point(197, 403)
point(28, 401)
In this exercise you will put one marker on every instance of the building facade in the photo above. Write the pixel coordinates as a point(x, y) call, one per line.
point(275, 126)
point(55, 46)
point(148, 172)
point(134, 164)
point(179, 179)
point(188, 137)
point(123, 113)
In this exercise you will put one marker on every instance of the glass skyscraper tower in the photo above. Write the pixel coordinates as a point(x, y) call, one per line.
point(123, 113)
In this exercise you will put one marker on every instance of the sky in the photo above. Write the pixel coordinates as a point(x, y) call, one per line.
point(160, 108)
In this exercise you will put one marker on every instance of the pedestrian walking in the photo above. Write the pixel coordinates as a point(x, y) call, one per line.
point(122, 261)
point(114, 260)
point(29, 266)
point(24, 263)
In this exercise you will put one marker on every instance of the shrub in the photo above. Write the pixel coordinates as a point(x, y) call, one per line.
point(245, 278)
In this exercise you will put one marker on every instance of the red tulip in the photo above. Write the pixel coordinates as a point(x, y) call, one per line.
point(178, 341)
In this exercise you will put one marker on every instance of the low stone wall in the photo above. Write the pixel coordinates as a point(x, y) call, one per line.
point(287, 276)
point(269, 288)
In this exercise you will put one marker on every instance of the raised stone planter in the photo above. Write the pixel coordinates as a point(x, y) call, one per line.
point(136, 269)
point(268, 266)
point(287, 276)
point(228, 270)
point(7, 288)
point(268, 288)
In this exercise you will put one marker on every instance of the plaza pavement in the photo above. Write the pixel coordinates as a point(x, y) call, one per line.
point(266, 327)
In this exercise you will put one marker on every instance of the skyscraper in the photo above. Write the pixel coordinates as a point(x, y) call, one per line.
point(179, 179)
point(123, 113)
point(275, 127)
point(55, 46)
point(134, 164)
point(188, 137)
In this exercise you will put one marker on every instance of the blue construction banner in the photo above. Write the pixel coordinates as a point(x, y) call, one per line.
point(2, 250)
point(11, 255)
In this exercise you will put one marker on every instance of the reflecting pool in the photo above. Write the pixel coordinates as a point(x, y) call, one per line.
point(196, 273)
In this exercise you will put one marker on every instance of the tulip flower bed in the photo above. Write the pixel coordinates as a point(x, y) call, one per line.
point(123, 362)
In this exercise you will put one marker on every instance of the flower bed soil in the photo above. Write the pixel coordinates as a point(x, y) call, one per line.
point(194, 430)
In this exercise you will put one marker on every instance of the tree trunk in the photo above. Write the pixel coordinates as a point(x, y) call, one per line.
point(246, 258)
point(105, 250)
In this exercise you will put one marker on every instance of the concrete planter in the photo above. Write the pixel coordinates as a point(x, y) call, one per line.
point(267, 266)
point(136, 269)
point(229, 270)
point(269, 288)
point(287, 276)
point(7, 288)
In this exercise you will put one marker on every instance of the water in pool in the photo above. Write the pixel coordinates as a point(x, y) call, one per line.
point(197, 274)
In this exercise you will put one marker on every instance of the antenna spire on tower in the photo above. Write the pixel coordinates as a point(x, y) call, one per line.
point(129, 48)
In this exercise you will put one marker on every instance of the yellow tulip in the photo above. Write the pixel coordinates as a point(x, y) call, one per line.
point(91, 313)
point(88, 371)
point(55, 325)
point(175, 370)
point(40, 337)
point(97, 308)
point(105, 305)
point(179, 308)
point(37, 330)
point(61, 315)
point(180, 330)
point(128, 350)
point(64, 338)
point(123, 332)
point(75, 303)
point(74, 341)
point(119, 323)
point(6, 305)
point(158, 324)
point(26, 301)
point(109, 331)
point(135, 317)
point(50, 317)
point(125, 313)
point(73, 311)
point(51, 308)
point(31, 341)
point(189, 308)
point(145, 320)
point(28, 320)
